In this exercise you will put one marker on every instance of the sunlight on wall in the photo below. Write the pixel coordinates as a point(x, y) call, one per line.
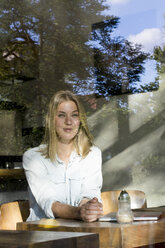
point(146, 106)
point(103, 125)
point(140, 164)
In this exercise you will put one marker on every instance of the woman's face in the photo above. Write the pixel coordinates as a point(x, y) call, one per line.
point(67, 121)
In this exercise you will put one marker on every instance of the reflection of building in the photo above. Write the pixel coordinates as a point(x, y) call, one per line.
point(11, 133)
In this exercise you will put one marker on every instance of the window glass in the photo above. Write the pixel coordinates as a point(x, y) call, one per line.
point(109, 52)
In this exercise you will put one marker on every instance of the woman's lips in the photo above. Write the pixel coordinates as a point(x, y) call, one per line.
point(68, 129)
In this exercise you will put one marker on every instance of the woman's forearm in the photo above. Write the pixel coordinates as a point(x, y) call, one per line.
point(65, 211)
point(88, 210)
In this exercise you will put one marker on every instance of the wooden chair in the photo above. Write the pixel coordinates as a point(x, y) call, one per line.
point(110, 200)
point(13, 212)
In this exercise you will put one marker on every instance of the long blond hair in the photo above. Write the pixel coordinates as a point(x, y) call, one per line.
point(82, 141)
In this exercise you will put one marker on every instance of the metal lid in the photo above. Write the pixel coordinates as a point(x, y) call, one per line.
point(124, 195)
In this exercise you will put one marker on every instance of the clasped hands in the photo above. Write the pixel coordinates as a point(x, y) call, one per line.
point(91, 210)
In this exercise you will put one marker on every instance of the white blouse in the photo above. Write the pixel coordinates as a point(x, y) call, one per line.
point(50, 182)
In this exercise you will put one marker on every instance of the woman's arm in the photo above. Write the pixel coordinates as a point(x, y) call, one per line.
point(46, 196)
point(88, 210)
point(42, 188)
point(65, 211)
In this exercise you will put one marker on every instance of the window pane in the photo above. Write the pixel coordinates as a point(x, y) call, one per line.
point(111, 53)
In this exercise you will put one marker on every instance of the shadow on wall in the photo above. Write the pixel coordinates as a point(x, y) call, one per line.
point(130, 131)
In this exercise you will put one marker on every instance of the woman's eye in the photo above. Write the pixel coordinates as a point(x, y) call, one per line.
point(75, 115)
point(61, 115)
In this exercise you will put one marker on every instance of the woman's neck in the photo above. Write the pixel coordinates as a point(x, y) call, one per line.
point(64, 151)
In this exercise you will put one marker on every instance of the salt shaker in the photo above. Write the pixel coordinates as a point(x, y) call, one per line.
point(124, 213)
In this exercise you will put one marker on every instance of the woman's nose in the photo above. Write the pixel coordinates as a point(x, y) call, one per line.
point(68, 120)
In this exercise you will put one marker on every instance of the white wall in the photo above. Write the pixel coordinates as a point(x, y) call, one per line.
point(133, 157)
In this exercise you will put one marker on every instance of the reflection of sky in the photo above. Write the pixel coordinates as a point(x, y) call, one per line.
point(141, 21)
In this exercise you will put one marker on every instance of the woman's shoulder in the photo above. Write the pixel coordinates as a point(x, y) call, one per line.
point(93, 158)
point(33, 152)
point(34, 160)
point(95, 149)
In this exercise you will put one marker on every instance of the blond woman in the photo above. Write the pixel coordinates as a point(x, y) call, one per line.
point(64, 173)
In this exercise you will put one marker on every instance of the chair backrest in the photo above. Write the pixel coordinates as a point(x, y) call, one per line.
point(13, 212)
point(110, 200)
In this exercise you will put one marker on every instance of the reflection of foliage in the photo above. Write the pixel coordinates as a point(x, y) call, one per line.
point(139, 174)
point(151, 165)
point(32, 137)
point(153, 161)
point(46, 40)
point(118, 64)
point(19, 53)
point(159, 56)
point(45, 44)
point(42, 43)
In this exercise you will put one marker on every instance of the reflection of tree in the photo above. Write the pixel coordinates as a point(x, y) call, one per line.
point(159, 56)
point(43, 46)
point(46, 40)
point(19, 53)
point(118, 64)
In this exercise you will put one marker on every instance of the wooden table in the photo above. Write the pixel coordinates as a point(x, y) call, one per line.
point(23, 239)
point(110, 234)
point(12, 173)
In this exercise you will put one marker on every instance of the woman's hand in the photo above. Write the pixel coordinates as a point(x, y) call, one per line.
point(91, 210)
point(88, 210)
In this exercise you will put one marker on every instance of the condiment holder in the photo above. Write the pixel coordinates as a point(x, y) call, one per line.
point(124, 213)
